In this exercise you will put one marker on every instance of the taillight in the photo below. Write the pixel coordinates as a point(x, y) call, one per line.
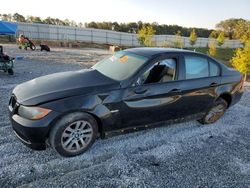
point(241, 83)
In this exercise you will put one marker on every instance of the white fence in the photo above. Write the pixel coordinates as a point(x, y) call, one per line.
point(65, 33)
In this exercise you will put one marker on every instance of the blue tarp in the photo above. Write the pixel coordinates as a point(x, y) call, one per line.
point(7, 28)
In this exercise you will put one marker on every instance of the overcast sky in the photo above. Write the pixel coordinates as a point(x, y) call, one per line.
point(189, 13)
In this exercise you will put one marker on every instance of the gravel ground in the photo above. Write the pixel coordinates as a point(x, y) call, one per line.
point(179, 155)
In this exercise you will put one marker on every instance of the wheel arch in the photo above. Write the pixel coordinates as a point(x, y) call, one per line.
point(99, 122)
point(97, 119)
point(227, 97)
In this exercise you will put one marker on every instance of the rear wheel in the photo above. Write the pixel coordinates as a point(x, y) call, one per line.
point(215, 113)
point(10, 71)
point(73, 134)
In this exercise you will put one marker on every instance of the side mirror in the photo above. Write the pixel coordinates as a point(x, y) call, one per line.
point(138, 82)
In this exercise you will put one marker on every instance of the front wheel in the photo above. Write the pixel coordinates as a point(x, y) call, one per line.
point(73, 134)
point(215, 113)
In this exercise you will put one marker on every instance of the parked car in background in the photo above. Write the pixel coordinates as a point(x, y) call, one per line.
point(131, 90)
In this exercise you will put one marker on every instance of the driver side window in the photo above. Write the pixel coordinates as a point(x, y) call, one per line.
point(160, 72)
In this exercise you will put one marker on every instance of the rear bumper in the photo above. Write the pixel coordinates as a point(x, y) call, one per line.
point(32, 133)
point(237, 96)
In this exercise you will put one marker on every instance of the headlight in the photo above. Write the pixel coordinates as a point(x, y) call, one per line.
point(33, 113)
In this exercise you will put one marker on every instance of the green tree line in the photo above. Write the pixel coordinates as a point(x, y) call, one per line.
point(131, 27)
point(160, 29)
point(35, 19)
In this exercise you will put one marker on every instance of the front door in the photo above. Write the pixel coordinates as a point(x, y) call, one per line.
point(155, 97)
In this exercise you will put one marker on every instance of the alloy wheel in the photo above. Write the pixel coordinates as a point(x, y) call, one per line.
point(77, 136)
point(215, 113)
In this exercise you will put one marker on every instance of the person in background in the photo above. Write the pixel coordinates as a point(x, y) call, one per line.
point(3, 56)
point(25, 42)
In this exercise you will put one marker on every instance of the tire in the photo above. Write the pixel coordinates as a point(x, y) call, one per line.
point(32, 47)
point(215, 113)
point(10, 71)
point(73, 134)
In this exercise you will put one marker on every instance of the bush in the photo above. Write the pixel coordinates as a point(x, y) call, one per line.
point(221, 39)
point(193, 38)
point(178, 42)
point(145, 35)
point(212, 49)
point(241, 59)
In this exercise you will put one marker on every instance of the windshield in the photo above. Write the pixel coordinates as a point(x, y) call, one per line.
point(120, 66)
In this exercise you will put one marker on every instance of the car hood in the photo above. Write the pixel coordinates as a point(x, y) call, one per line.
point(62, 85)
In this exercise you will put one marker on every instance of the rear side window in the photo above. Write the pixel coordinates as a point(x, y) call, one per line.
point(196, 67)
point(214, 69)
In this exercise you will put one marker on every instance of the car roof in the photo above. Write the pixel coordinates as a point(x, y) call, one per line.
point(151, 52)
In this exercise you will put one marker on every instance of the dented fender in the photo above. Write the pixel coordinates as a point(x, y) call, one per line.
point(95, 105)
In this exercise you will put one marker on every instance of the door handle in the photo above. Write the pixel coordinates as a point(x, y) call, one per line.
point(140, 90)
point(213, 84)
point(175, 90)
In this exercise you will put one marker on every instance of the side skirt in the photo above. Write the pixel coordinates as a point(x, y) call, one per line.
point(150, 126)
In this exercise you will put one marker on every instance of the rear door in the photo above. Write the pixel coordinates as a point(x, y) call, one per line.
point(200, 80)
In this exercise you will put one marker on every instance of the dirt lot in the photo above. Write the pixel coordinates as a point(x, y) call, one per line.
point(180, 155)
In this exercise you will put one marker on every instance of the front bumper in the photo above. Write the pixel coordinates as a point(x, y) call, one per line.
point(33, 133)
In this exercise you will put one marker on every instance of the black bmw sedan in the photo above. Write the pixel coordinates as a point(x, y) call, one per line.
point(130, 90)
